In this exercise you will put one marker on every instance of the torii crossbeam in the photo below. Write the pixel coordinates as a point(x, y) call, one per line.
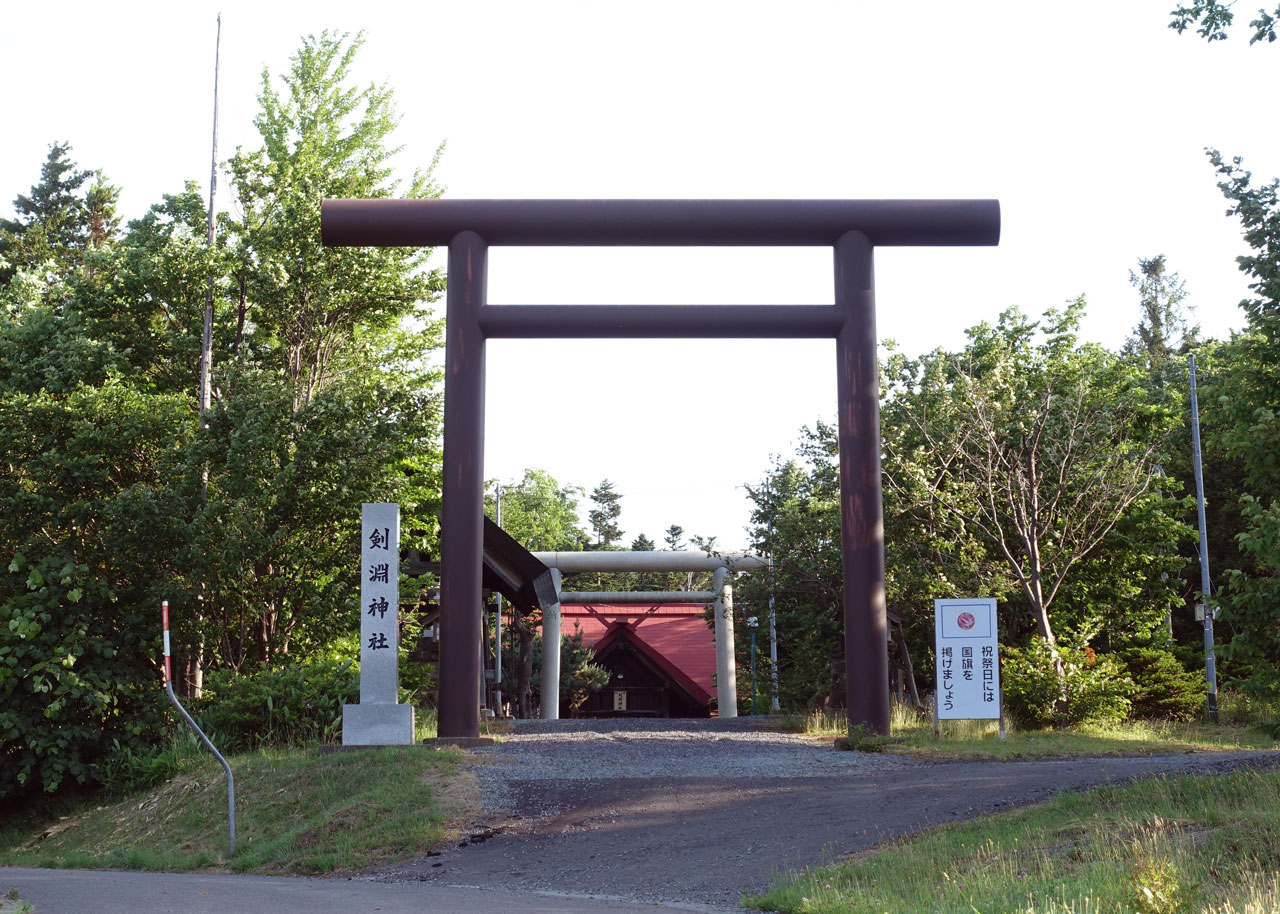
point(852, 228)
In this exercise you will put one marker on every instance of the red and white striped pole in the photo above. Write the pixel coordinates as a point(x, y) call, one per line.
point(168, 687)
point(168, 665)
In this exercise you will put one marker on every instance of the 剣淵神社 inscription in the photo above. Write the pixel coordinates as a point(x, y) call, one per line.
point(378, 720)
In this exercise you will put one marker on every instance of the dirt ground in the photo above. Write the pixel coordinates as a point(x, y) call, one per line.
point(702, 843)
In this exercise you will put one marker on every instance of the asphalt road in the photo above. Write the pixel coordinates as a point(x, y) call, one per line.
point(93, 892)
point(625, 845)
point(706, 841)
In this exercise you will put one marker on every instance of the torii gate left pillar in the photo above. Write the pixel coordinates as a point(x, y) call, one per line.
point(852, 228)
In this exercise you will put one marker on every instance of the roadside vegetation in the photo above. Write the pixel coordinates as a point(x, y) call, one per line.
point(1245, 724)
point(1187, 844)
point(12, 902)
point(298, 812)
point(1163, 846)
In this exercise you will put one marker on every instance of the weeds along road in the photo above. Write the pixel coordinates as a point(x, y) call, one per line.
point(663, 818)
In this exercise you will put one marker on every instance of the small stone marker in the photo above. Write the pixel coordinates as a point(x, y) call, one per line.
point(378, 720)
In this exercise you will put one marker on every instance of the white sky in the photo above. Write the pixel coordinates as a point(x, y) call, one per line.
point(1086, 120)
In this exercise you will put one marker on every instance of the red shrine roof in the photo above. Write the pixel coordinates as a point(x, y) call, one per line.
point(674, 635)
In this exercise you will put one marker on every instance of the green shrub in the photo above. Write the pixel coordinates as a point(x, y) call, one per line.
point(1163, 688)
point(277, 707)
point(419, 684)
point(129, 768)
point(1094, 688)
point(1245, 709)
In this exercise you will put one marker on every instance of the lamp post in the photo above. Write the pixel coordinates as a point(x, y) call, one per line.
point(753, 623)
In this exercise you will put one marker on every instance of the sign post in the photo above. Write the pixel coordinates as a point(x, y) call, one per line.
point(379, 720)
point(968, 661)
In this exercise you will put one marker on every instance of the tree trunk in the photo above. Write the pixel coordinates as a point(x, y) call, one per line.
point(524, 668)
point(1035, 594)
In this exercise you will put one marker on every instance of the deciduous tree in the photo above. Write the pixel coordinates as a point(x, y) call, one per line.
point(539, 513)
point(329, 398)
point(1040, 445)
point(1212, 18)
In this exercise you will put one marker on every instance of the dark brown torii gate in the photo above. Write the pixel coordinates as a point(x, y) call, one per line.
point(853, 228)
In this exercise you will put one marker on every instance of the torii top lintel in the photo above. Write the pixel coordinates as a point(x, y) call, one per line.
point(626, 223)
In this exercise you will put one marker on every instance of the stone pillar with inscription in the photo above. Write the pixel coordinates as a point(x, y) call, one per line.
point(378, 720)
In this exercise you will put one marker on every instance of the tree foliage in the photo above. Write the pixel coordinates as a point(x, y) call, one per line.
point(87, 523)
point(539, 513)
point(580, 676)
point(1212, 18)
point(796, 521)
point(1059, 685)
point(325, 395)
point(329, 399)
point(604, 516)
point(1248, 401)
point(1019, 468)
point(1162, 331)
point(319, 311)
point(61, 220)
point(1036, 444)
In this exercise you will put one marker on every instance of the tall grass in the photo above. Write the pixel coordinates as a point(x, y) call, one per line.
point(1158, 847)
point(912, 734)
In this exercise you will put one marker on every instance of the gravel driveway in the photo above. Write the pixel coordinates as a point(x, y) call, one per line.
point(694, 813)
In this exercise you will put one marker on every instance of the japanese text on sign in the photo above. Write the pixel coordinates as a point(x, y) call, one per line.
point(380, 600)
point(968, 659)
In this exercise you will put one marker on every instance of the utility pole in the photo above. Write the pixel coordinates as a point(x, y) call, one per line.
point(774, 707)
point(206, 342)
point(196, 664)
point(497, 626)
point(1210, 672)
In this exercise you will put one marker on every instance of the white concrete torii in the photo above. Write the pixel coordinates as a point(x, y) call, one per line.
point(722, 592)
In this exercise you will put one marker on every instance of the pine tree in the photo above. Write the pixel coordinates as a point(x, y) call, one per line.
point(604, 517)
point(57, 222)
point(1162, 330)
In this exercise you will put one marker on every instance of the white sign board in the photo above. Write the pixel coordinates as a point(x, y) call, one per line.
point(968, 659)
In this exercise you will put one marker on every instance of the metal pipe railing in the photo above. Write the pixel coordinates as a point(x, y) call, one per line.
point(168, 687)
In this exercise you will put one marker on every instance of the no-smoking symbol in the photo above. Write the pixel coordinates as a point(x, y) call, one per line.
point(965, 621)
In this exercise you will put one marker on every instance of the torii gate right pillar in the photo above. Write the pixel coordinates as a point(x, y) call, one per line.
point(861, 509)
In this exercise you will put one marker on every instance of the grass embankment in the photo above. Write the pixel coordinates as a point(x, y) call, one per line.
point(297, 812)
point(1167, 845)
